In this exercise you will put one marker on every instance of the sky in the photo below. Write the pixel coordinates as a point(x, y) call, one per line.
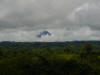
point(66, 20)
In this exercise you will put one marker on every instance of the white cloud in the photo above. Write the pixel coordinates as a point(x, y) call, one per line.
point(22, 20)
point(87, 14)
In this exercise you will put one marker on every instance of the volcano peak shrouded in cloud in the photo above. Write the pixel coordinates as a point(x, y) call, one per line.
point(44, 33)
point(22, 20)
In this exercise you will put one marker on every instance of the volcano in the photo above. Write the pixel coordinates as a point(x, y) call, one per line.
point(44, 33)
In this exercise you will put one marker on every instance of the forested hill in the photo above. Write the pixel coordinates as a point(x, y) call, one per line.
point(76, 44)
point(49, 44)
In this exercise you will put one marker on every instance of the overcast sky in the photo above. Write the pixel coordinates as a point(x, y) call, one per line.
point(66, 20)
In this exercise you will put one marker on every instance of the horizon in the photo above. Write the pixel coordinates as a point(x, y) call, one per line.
point(51, 41)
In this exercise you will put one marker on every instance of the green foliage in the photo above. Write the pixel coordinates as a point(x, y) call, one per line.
point(55, 60)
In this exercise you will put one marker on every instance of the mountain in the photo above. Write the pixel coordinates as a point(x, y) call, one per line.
point(44, 33)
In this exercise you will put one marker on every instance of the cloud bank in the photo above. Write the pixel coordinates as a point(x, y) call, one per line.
point(66, 20)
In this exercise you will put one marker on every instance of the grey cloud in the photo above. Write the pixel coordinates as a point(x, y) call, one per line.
point(22, 20)
point(35, 13)
point(87, 15)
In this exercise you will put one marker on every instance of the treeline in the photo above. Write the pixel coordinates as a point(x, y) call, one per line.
point(48, 44)
point(46, 60)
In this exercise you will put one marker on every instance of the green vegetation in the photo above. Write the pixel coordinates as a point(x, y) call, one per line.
point(68, 58)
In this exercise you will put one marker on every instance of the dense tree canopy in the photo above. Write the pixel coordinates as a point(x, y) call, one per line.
point(50, 60)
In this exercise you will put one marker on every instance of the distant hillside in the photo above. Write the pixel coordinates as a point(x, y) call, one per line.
point(77, 44)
